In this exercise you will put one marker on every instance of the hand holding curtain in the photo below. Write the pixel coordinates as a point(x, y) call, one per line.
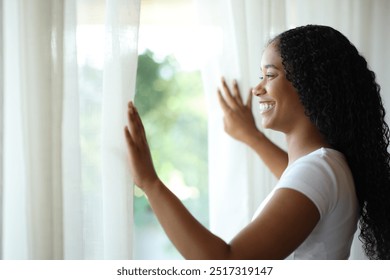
point(140, 159)
point(238, 119)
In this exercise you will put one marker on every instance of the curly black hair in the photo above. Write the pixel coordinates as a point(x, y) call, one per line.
point(342, 98)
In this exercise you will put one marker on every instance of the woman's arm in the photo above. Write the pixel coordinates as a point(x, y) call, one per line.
point(285, 222)
point(192, 239)
point(240, 124)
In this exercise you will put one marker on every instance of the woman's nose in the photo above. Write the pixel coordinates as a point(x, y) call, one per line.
point(258, 90)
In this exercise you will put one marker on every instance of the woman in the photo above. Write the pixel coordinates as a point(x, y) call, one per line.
point(318, 91)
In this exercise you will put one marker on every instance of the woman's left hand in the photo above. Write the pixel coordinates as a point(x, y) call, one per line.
point(238, 119)
point(141, 163)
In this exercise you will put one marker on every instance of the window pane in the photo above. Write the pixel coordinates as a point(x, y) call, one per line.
point(170, 100)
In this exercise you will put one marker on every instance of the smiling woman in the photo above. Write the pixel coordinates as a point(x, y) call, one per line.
point(322, 193)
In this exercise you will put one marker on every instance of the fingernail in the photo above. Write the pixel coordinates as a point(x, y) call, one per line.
point(131, 107)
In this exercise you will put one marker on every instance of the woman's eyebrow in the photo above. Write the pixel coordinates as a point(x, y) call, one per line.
point(270, 66)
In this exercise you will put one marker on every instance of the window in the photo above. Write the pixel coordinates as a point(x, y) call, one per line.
point(171, 102)
point(170, 99)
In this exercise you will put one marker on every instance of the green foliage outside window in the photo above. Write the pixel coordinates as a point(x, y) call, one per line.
point(172, 106)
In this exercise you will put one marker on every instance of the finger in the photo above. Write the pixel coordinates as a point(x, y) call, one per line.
point(130, 119)
point(225, 107)
point(139, 129)
point(129, 140)
point(230, 100)
point(236, 93)
point(138, 120)
point(249, 99)
point(134, 127)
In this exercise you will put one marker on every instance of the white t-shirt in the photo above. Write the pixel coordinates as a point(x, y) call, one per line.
point(325, 178)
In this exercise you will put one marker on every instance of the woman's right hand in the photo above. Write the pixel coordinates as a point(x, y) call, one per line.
point(140, 159)
point(238, 119)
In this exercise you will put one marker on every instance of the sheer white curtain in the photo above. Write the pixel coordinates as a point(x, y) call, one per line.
point(121, 54)
point(238, 180)
point(47, 203)
point(1, 128)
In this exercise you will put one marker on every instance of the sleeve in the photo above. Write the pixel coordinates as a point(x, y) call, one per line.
point(314, 178)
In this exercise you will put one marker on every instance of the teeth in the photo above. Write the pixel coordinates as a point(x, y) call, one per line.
point(264, 107)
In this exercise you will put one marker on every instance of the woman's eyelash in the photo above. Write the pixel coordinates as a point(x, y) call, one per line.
point(268, 76)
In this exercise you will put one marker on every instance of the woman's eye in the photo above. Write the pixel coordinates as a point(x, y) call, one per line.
point(268, 76)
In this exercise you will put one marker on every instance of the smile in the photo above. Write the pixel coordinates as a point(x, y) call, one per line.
point(266, 106)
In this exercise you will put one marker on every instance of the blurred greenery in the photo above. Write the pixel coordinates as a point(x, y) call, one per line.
point(173, 109)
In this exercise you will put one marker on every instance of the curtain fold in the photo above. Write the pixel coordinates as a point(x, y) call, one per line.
point(238, 181)
point(121, 56)
point(1, 128)
point(73, 220)
point(45, 191)
point(33, 182)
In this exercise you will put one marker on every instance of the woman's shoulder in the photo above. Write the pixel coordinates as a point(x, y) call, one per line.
point(322, 175)
point(324, 160)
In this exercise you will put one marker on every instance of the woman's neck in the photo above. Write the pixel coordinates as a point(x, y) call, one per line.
point(303, 141)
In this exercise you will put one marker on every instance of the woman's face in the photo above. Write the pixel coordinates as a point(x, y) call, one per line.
point(279, 103)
